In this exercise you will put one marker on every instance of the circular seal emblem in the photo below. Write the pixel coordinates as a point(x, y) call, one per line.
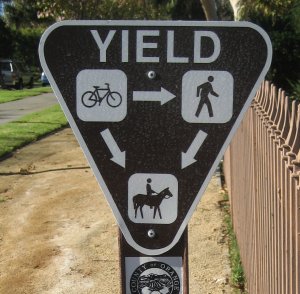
point(155, 277)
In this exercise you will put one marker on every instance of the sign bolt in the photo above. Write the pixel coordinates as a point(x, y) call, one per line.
point(151, 234)
point(151, 74)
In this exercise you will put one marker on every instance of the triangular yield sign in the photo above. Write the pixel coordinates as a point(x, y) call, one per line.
point(154, 104)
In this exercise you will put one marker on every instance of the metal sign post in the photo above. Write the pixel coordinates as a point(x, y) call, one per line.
point(154, 105)
point(162, 273)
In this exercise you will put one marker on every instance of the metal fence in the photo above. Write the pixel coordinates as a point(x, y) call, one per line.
point(262, 173)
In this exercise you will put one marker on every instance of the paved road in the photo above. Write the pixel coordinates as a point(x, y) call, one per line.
point(11, 111)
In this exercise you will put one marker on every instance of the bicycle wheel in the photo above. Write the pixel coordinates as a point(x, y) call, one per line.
point(89, 99)
point(114, 99)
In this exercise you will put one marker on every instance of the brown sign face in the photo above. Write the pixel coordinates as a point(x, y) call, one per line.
point(154, 105)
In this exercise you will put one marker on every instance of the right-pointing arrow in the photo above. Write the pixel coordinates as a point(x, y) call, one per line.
point(187, 158)
point(163, 96)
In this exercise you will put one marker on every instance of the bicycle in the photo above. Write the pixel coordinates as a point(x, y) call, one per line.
point(90, 98)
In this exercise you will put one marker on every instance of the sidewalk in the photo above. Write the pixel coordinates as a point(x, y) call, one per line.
point(14, 110)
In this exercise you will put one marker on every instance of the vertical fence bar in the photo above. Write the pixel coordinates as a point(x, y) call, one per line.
point(262, 171)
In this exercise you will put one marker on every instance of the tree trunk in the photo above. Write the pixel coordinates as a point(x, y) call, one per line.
point(236, 7)
point(210, 9)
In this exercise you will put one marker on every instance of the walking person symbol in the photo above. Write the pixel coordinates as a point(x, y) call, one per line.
point(203, 91)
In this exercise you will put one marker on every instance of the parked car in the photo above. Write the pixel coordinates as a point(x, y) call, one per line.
point(44, 79)
point(14, 74)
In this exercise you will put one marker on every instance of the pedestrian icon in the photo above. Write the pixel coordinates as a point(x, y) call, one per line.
point(207, 96)
point(101, 95)
point(203, 91)
point(145, 205)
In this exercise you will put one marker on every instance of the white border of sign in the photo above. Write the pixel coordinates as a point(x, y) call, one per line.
point(90, 159)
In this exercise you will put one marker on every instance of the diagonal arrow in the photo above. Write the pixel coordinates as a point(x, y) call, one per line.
point(118, 155)
point(187, 158)
point(163, 96)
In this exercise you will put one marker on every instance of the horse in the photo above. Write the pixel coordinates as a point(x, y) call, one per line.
point(140, 200)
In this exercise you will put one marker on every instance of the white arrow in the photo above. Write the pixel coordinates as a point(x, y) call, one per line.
point(187, 158)
point(118, 155)
point(163, 96)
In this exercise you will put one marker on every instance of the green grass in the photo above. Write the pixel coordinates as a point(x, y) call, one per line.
point(30, 128)
point(11, 95)
point(238, 279)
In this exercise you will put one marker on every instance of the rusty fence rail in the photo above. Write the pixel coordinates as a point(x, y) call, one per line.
point(262, 174)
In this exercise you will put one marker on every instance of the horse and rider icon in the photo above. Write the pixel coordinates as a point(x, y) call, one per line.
point(152, 198)
point(203, 91)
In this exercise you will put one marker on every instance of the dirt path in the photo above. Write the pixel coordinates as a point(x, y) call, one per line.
point(58, 235)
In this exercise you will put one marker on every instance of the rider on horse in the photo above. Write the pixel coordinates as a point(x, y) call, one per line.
point(149, 190)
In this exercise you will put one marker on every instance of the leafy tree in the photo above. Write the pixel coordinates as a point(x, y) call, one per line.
point(25, 45)
point(103, 9)
point(281, 20)
point(187, 10)
point(24, 13)
point(224, 10)
point(201, 10)
point(25, 20)
point(210, 9)
point(24, 27)
point(5, 40)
